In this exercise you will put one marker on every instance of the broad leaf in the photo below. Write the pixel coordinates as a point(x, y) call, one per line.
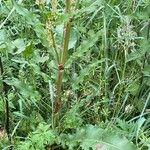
point(93, 136)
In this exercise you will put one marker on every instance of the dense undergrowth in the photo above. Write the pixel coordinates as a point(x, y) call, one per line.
point(75, 74)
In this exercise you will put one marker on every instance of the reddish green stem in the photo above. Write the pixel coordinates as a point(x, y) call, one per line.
point(66, 36)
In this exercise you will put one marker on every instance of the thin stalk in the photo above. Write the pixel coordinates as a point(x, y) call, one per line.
point(54, 46)
point(51, 39)
point(105, 55)
point(66, 36)
point(66, 42)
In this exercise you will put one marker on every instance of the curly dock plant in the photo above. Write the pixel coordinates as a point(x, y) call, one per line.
point(61, 57)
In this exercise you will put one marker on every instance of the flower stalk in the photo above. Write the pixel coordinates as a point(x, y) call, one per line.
point(63, 55)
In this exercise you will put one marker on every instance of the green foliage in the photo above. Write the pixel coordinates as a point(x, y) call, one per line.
point(38, 139)
point(87, 137)
point(106, 81)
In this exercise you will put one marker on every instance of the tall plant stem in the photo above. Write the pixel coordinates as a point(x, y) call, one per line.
point(65, 41)
point(54, 46)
